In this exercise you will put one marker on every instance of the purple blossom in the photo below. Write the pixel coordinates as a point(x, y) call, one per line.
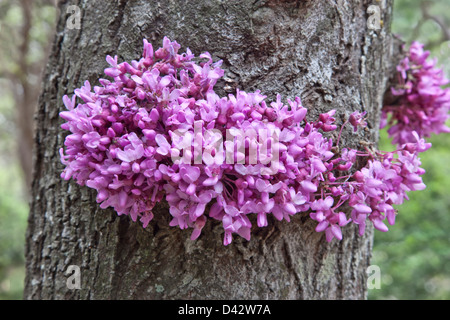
point(423, 104)
point(157, 131)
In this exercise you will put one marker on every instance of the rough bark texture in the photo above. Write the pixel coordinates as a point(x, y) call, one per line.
point(320, 50)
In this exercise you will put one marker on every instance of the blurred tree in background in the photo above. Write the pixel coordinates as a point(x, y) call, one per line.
point(26, 30)
point(414, 256)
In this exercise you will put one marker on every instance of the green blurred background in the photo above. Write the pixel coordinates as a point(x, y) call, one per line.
point(414, 257)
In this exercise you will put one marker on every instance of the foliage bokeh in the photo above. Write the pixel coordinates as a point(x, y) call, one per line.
point(26, 26)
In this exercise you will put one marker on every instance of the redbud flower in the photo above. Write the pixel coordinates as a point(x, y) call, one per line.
point(423, 104)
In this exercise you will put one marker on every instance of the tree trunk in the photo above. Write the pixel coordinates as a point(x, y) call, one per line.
point(320, 50)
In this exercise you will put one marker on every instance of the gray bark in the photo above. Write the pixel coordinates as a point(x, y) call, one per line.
point(320, 50)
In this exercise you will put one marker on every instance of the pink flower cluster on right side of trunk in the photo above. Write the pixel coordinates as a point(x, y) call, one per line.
point(158, 131)
point(423, 103)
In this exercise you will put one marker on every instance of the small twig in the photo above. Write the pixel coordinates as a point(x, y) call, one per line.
point(424, 6)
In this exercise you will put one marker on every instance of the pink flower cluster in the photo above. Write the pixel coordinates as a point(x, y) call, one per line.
point(115, 142)
point(157, 132)
point(422, 105)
